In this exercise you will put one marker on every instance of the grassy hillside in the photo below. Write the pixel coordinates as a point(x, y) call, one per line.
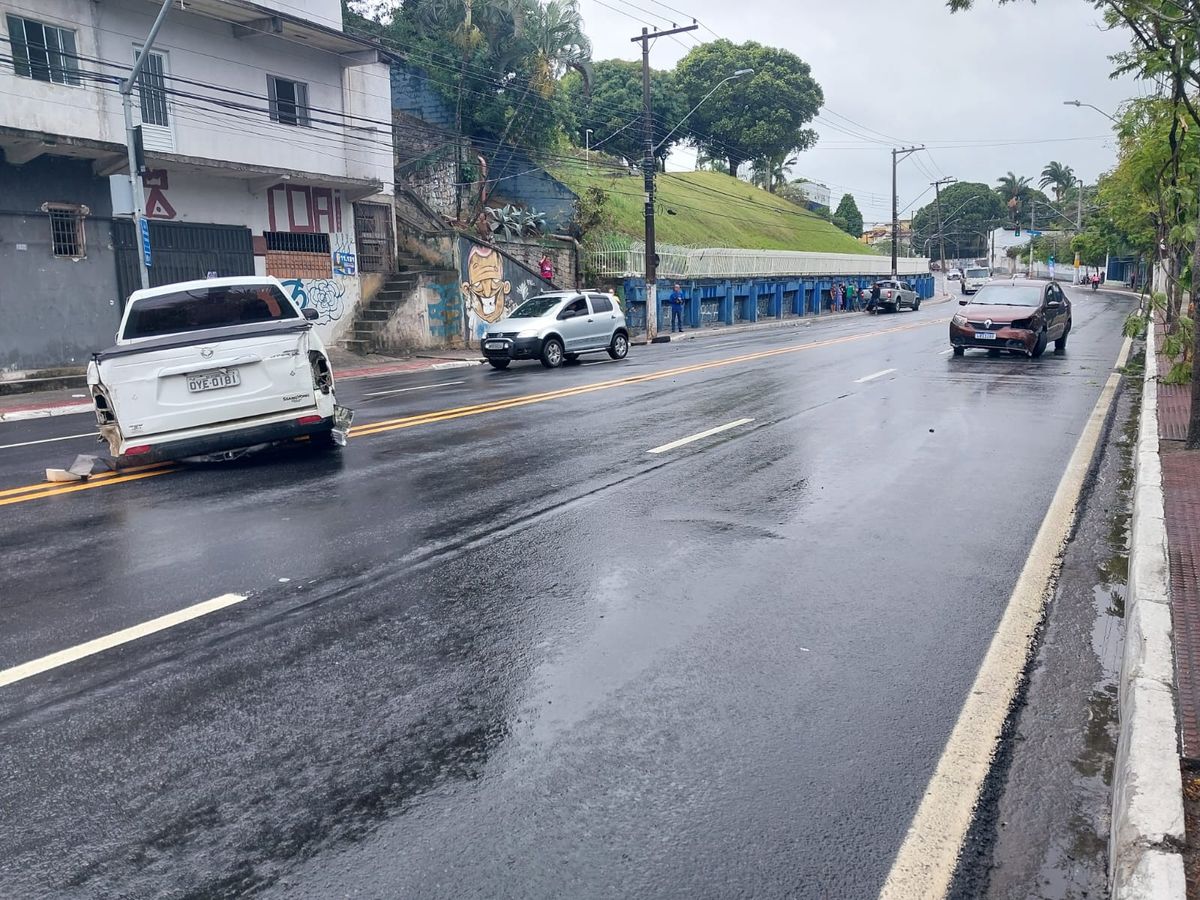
point(711, 210)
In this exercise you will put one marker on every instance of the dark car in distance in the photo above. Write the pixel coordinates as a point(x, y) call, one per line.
point(1020, 317)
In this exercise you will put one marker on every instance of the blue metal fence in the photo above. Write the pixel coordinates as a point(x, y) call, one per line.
point(713, 303)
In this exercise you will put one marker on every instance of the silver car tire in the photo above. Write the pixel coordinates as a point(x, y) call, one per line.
point(552, 353)
point(619, 348)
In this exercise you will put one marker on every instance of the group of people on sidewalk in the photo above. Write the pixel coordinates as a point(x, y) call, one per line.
point(848, 296)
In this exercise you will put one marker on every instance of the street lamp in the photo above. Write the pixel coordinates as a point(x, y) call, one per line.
point(587, 140)
point(738, 74)
point(1078, 103)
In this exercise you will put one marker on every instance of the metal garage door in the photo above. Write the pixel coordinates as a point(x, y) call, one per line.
point(181, 252)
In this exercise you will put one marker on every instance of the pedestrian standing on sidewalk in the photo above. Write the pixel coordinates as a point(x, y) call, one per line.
point(873, 303)
point(676, 299)
point(851, 295)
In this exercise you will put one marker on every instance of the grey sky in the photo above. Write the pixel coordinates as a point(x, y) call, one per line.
point(910, 70)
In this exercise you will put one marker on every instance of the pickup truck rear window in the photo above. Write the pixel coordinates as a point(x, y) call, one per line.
point(204, 308)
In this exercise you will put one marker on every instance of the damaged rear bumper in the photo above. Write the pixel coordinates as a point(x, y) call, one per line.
point(210, 442)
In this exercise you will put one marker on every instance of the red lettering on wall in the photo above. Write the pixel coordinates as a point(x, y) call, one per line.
point(157, 205)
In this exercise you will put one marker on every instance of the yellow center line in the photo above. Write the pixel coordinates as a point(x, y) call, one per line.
point(52, 489)
point(524, 400)
point(55, 490)
point(100, 476)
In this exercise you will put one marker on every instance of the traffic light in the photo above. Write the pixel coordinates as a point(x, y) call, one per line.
point(1018, 232)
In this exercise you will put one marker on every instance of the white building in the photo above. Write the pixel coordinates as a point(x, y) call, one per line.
point(815, 192)
point(267, 136)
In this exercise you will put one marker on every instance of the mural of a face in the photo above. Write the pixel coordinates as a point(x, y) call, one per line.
point(485, 291)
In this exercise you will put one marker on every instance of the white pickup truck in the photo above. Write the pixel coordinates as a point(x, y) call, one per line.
point(212, 368)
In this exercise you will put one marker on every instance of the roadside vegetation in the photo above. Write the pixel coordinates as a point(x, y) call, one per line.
point(702, 209)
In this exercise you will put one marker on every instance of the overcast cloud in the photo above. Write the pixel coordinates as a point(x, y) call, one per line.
point(910, 70)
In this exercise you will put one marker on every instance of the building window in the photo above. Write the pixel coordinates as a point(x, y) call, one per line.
point(298, 255)
point(66, 231)
point(43, 52)
point(152, 90)
point(289, 101)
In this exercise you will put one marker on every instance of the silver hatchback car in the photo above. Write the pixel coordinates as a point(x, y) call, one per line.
point(557, 327)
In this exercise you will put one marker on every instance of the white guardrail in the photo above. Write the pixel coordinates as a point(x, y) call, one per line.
point(727, 262)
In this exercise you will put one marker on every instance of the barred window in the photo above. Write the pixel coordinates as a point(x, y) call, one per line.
point(152, 91)
point(289, 101)
point(298, 255)
point(66, 232)
point(297, 241)
point(43, 52)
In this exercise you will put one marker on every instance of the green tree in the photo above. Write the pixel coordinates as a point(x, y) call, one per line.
point(970, 210)
point(496, 62)
point(613, 109)
point(847, 217)
point(771, 174)
point(1058, 176)
point(759, 116)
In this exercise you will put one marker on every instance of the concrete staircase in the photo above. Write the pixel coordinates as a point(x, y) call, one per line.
point(372, 318)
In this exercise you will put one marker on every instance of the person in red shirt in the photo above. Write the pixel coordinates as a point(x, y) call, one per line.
point(546, 268)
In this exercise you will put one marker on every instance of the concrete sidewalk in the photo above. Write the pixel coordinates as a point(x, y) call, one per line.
point(73, 400)
point(1160, 666)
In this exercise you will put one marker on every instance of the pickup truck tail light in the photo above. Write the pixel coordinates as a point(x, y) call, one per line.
point(136, 451)
point(308, 420)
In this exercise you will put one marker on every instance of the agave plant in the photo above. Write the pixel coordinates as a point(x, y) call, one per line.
point(533, 222)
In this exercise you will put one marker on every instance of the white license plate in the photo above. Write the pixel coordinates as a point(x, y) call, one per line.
point(214, 380)
point(985, 335)
point(495, 345)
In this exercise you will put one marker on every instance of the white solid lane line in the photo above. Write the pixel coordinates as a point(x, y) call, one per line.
point(124, 636)
point(873, 376)
point(696, 437)
point(925, 864)
point(66, 437)
point(419, 387)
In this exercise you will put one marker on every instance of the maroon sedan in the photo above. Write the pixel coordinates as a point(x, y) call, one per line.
point(1021, 317)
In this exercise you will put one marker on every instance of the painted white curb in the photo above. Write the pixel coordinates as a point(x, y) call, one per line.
point(20, 415)
point(1147, 812)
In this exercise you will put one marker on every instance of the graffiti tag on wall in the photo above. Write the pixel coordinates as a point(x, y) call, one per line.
point(326, 295)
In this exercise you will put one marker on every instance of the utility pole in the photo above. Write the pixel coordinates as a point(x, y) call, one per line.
point(937, 194)
point(1032, 219)
point(897, 155)
point(140, 226)
point(648, 174)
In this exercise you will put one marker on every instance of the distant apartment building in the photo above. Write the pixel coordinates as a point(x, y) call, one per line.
point(268, 150)
point(815, 193)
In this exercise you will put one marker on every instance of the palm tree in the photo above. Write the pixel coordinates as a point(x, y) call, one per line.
point(1015, 188)
point(770, 173)
point(554, 28)
point(1060, 176)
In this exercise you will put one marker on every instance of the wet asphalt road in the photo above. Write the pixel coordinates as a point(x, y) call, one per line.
point(516, 655)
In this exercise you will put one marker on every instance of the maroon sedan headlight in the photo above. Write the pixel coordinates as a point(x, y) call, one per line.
point(1026, 324)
